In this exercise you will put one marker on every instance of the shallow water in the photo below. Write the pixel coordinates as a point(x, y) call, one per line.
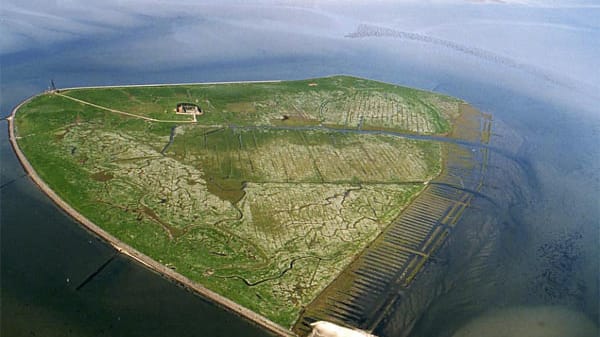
point(532, 242)
point(542, 321)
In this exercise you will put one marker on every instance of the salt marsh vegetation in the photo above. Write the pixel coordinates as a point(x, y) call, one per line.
point(253, 200)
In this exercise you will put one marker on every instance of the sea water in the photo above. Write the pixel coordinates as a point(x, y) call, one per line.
point(532, 245)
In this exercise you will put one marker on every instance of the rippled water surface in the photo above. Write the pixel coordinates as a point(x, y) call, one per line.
point(525, 254)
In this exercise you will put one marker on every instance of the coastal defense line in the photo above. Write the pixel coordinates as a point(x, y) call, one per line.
point(362, 294)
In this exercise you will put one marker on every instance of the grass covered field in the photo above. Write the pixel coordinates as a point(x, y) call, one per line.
point(263, 199)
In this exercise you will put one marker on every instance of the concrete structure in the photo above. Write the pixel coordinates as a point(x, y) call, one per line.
point(328, 329)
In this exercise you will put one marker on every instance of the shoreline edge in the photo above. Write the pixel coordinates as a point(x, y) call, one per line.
point(123, 248)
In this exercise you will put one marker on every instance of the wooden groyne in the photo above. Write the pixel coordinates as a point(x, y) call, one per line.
point(125, 249)
point(362, 294)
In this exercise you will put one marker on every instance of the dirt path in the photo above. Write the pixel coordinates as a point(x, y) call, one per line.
point(123, 112)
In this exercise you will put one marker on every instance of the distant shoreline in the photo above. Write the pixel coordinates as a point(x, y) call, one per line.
point(125, 249)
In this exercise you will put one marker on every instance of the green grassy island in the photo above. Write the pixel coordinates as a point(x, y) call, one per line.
point(261, 192)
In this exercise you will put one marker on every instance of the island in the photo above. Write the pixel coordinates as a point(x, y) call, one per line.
point(267, 197)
